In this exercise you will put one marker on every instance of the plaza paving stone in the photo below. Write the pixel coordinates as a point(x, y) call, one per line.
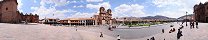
point(47, 32)
point(188, 34)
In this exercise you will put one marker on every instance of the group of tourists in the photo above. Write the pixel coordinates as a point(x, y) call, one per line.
point(101, 34)
point(179, 34)
point(111, 27)
point(193, 23)
point(172, 30)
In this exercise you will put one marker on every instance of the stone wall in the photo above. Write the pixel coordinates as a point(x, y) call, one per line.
point(30, 18)
point(9, 12)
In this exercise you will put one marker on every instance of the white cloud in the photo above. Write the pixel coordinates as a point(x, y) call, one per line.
point(43, 12)
point(163, 3)
point(74, 6)
point(19, 5)
point(175, 8)
point(81, 15)
point(202, 1)
point(56, 2)
point(171, 14)
point(124, 10)
point(104, 4)
point(73, 2)
point(35, 1)
point(34, 8)
point(94, 0)
point(78, 6)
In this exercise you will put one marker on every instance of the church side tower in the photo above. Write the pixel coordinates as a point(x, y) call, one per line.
point(102, 10)
point(109, 16)
point(9, 13)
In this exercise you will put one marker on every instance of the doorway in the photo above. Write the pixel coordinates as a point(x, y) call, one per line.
point(206, 19)
point(0, 17)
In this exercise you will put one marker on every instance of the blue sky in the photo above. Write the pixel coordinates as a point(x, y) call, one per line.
point(120, 8)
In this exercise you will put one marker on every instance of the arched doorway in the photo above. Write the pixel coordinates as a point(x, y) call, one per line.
point(0, 17)
point(206, 19)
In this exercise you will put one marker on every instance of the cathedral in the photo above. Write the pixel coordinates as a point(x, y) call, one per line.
point(104, 17)
point(10, 14)
point(201, 12)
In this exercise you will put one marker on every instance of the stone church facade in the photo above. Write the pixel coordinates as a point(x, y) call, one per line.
point(9, 12)
point(104, 17)
point(31, 18)
point(201, 12)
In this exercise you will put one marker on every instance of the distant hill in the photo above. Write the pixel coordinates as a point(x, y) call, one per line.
point(156, 17)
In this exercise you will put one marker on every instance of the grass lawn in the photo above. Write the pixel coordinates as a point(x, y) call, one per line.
point(143, 24)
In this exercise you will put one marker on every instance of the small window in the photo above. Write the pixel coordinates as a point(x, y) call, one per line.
point(6, 8)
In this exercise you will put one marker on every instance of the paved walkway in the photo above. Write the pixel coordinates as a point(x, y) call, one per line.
point(46, 32)
point(188, 34)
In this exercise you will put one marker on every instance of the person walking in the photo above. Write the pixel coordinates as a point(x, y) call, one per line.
point(163, 31)
point(101, 34)
point(118, 37)
point(76, 28)
point(193, 24)
point(190, 25)
point(197, 24)
point(179, 34)
point(109, 28)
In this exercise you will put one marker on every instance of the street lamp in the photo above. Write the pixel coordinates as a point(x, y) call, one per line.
point(131, 20)
point(186, 19)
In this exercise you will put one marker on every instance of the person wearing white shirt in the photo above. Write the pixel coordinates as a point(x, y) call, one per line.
point(118, 37)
